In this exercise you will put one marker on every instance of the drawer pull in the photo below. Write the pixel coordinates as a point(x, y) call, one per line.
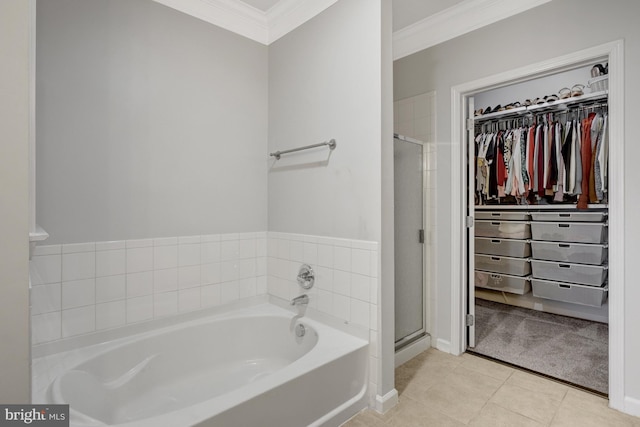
point(495, 223)
point(496, 241)
point(564, 286)
point(496, 214)
point(495, 258)
point(563, 245)
point(564, 266)
point(564, 225)
point(565, 215)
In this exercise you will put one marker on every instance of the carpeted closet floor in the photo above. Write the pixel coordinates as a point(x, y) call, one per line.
point(566, 348)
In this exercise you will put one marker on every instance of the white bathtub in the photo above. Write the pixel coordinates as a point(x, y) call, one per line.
point(246, 367)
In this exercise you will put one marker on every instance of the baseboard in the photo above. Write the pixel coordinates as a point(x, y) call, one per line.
point(412, 350)
point(443, 345)
point(386, 402)
point(632, 406)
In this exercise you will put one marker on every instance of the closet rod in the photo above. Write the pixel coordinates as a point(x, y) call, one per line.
point(331, 143)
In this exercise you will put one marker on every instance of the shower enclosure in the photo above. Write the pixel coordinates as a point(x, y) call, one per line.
point(409, 223)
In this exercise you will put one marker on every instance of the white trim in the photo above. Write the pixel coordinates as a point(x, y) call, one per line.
point(287, 15)
point(614, 51)
point(386, 402)
point(632, 406)
point(444, 346)
point(240, 18)
point(231, 15)
point(455, 21)
point(412, 350)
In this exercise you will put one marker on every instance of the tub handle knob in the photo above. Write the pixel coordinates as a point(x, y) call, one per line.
point(306, 276)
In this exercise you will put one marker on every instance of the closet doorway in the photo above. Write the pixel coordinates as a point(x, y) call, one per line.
point(464, 250)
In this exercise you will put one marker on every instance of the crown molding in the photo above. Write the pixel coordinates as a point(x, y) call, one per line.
point(455, 21)
point(240, 18)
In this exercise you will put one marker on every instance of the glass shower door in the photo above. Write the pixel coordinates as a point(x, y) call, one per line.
point(409, 240)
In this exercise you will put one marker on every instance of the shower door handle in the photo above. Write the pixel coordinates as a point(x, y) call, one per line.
point(421, 236)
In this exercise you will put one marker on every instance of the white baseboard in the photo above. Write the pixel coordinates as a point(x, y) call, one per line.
point(386, 402)
point(632, 406)
point(412, 350)
point(443, 345)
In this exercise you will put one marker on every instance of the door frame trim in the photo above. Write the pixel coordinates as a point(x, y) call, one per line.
point(615, 52)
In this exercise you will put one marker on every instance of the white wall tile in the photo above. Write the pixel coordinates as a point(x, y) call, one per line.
point(229, 250)
point(247, 287)
point(261, 266)
point(342, 258)
point(188, 300)
point(246, 268)
point(373, 263)
point(110, 263)
point(46, 327)
point(228, 271)
point(341, 282)
point(272, 247)
point(360, 312)
point(229, 236)
point(45, 269)
point(210, 238)
point(360, 287)
point(77, 266)
point(373, 291)
point(261, 285)
point(111, 314)
point(78, 293)
point(261, 247)
point(77, 321)
point(187, 240)
point(111, 288)
point(165, 257)
point(189, 276)
point(165, 304)
point(325, 256)
point(47, 250)
point(139, 309)
point(283, 249)
point(325, 301)
point(229, 292)
point(46, 298)
point(71, 248)
point(165, 241)
point(341, 307)
point(165, 280)
point(210, 252)
point(139, 259)
point(296, 251)
point(310, 253)
point(247, 248)
point(324, 278)
point(373, 322)
point(210, 273)
point(188, 254)
point(361, 261)
point(110, 246)
point(139, 243)
point(210, 295)
point(139, 284)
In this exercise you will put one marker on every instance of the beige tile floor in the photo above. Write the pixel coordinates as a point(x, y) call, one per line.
point(441, 390)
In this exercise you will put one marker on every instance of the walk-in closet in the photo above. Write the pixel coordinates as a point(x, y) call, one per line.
point(538, 194)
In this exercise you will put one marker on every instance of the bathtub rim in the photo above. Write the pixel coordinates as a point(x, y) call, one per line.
point(98, 337)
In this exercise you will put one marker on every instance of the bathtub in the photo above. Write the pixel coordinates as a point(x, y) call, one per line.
point(245, 367)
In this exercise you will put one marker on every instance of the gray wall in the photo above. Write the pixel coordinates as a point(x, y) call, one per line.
point(325, 82)
point(150, 123)
point(536, 35)
point(14, 205)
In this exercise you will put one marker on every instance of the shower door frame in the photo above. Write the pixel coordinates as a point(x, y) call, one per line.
point(413, 337)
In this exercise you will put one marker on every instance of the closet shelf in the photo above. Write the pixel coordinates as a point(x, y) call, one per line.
point(588, 98)
point(557, 206)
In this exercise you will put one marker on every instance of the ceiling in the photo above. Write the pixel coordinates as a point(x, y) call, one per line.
point(405, 12)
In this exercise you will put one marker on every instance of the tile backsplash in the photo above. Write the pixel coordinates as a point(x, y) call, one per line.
point(88, 287)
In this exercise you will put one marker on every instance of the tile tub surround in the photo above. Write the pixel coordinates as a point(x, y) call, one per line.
point(83, 288)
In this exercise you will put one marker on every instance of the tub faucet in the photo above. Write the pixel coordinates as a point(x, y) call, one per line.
point(302, 299)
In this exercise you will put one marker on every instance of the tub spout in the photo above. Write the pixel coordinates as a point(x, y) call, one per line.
point(302, 299)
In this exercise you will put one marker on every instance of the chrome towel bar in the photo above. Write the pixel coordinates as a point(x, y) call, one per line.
point(331, 143)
